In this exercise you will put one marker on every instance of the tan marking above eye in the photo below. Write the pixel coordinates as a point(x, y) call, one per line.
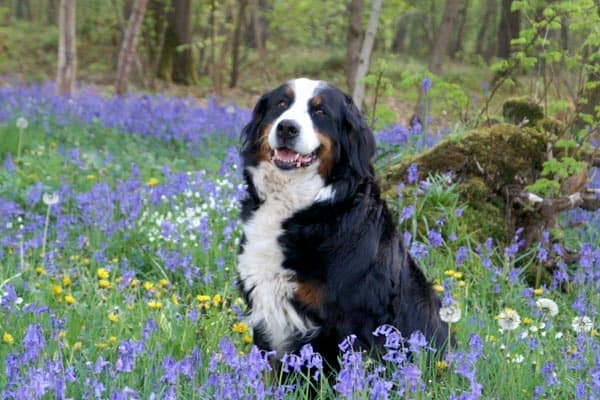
point(289, 91)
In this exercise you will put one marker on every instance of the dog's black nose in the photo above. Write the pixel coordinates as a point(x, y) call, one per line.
point(287, 130)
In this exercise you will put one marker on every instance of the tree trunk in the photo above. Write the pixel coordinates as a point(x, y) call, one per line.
point(23, 9)
point(67, 55)
point(365, 54)
point(355, 31)
point(444, 33)
point(219, 62)
point(457, 47)
point(400, 35)
point(177, 64)
point(259, 40)
point(51, 13)
point(510, 26)
point(490, 8)
point(235, 46)
point(128, 48)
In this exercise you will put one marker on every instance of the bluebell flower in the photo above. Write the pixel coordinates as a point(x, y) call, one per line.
point(9, 164)
point(413, 173)
point(426, 84)
point(462, 254)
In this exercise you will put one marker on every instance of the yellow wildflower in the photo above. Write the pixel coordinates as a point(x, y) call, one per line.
point(154, 304)
point(441, 365)
point(239, 327)
point(527, 321)
point(112, 340)
point(438, 288)
point(85, 261)
point(8, 338)
point(104, 284)
point(77, 346)
point(56, 290)
point(449, 272)
point(458, 275)
point(202, 298)
point(134, 283)
point(217, 298)
point(247, 339)
point(40, 271)
point(148, 285)
point(153, 181)
point(69, 299)
point(91, 177)
point(538, 291)
point(174, 299)
point(112, 317)
point(164, 282)
point(102, 273)
point(67, 280)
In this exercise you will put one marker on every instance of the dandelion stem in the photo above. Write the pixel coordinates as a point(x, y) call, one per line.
point(21, 252)
point(45, 234)
point(19, 144)
point(449, 342)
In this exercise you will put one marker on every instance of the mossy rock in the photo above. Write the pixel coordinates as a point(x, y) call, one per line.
point(486, 163)
point(518, 110)
point(551, 125)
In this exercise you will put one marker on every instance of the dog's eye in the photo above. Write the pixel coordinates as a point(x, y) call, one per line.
point(319, 111)
point(282, 104)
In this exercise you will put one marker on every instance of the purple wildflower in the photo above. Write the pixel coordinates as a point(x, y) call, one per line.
point(413, 173)
point(426, 84)
point(462, 254)
point(435, 238)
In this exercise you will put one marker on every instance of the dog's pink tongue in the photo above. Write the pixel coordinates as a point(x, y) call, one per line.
point(286, 154)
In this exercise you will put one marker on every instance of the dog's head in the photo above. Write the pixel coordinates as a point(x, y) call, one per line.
point(306, 123)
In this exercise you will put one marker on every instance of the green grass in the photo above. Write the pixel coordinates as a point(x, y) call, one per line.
point(95, 307)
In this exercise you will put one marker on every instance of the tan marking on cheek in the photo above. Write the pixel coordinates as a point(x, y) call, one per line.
point(315, 101)
point(309, 294)
point(289, 91)
point(326, 156)
point(264, 151)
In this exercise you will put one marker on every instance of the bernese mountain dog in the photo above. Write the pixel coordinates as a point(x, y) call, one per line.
point(320, 256)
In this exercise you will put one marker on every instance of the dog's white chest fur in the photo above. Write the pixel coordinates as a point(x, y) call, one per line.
point(260, 264)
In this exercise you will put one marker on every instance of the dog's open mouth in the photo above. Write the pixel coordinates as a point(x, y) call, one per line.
point(285, 158)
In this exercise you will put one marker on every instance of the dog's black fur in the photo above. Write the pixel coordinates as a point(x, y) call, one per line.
point(346, 251)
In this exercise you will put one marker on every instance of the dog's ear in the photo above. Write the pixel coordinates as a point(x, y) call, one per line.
point(250, 136)
point(360, 142)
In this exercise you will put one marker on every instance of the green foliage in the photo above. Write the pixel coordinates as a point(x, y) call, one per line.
point(540, 50)
point(308, 23)
point(545, 187)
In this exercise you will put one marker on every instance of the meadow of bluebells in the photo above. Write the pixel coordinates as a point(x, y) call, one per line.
point(118, 237)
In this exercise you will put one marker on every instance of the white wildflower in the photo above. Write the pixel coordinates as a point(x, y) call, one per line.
point(450, 314)
point(22, 123)
point(50, 199)
point(547, 306)
point(582, 324)
point(508, 319)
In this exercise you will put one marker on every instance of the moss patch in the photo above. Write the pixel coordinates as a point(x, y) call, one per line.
point(489, 164)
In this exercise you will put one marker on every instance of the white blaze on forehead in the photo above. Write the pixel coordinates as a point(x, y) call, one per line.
point(304, 90)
